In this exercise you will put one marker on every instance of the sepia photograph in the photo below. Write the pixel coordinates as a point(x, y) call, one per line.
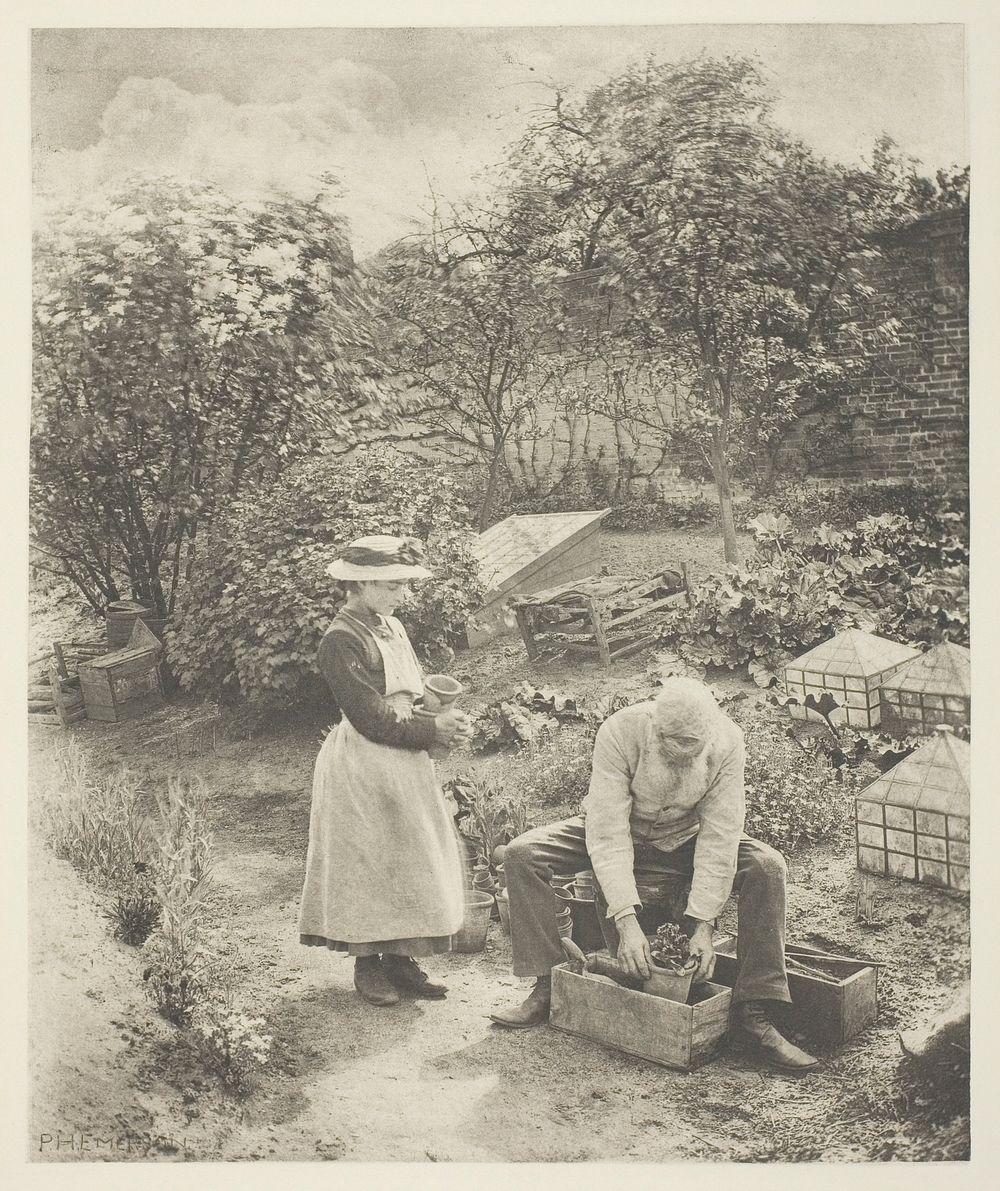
point(499, 684)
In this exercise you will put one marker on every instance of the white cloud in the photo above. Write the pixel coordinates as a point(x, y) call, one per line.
point(348, 120)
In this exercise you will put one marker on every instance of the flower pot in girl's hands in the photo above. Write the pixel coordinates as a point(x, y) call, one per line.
point(440, 691)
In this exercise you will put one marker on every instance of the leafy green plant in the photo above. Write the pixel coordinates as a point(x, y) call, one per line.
point(670, 947)
point(794, 796)
point(250, 623)
point(96, 823)
point(488, 815)
point(555, 772)
point(179, 970)
point(528, 716)
point(135, 910)
point(888, 574)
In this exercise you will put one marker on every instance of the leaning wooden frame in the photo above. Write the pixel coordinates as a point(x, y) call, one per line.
point(605, 618)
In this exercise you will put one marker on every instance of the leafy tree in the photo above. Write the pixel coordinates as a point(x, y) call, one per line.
point(249, 623)
point(186, 348)
point(468, 335)
point(726, 240)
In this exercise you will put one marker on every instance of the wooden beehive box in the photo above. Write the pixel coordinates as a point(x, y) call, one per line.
point(662, 1031)
point(126, 683)
point(913, 822)
point(852, 667)
point(933, 689)
point(830, 1012)
point(529, 553)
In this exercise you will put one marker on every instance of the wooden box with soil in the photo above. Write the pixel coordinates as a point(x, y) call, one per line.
point(832, 1006)
point(650, 1027)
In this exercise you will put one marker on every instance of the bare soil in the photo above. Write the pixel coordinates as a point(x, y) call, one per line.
point(436, 1081)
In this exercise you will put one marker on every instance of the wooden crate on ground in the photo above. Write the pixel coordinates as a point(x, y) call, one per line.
point(604, 618)
point(665, 1032)
point(127, 683)
point(829, 1011)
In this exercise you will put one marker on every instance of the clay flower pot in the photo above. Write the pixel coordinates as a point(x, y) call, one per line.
point(669, 984)
point(503, 905)
point(472, 936)
point(440, 691)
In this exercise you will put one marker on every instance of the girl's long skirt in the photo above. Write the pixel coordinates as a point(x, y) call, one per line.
point(383, 869)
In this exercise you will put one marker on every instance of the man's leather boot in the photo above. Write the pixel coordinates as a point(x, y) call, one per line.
point(533, 1011)
point(753, 1025)
point(405, 974)
point(371, 981)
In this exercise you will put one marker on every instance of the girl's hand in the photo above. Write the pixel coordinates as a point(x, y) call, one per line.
point(452, 727)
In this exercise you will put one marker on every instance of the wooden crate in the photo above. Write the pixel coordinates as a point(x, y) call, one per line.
point(830, 1013)
point(665, 1032)
point(122, 685)
point(605, 619)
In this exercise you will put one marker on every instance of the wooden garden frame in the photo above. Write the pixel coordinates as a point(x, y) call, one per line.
point(589, 625)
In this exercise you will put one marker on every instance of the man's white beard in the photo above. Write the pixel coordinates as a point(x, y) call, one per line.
point(688, 780)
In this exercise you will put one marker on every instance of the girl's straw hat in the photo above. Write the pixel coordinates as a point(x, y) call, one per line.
point(380, 558)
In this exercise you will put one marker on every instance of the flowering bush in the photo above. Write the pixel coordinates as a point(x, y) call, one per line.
point(232, 1043)
point(186, 345)
point(250, 623)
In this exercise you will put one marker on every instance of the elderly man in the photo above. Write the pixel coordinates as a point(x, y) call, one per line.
point(666, 796)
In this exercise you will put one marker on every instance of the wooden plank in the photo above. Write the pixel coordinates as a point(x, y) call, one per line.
point(603, 651)
point(627, 650)
point(654, 606)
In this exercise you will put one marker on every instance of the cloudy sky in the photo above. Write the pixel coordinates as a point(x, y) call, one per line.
point(390, 109)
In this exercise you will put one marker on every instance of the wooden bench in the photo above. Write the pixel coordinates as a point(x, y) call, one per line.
point(607, 618)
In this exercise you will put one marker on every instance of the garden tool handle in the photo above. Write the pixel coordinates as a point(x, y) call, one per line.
point(572, 951)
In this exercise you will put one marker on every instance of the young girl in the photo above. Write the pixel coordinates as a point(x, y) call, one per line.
point(383, 870)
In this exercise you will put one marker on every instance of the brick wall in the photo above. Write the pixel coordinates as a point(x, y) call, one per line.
point(905, 415)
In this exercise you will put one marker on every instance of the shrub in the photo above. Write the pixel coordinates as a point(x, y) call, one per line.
point(808, 505)
point(681, 512)
point(250, 623)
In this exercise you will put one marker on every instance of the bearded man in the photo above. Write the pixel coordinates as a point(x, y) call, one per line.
point(666, 797)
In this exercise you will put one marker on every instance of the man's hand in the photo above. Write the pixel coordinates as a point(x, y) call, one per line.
point(633, 948)
point(702, 951)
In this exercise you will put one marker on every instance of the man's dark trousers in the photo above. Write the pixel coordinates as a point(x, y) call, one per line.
point(560, 848)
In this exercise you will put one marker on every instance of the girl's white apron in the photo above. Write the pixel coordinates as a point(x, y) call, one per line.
point(383, 860)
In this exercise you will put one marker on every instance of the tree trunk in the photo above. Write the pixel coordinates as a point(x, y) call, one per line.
point(720, 470)
point(486, 508)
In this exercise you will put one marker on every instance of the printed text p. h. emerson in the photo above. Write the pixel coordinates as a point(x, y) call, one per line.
point(59, 1144)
